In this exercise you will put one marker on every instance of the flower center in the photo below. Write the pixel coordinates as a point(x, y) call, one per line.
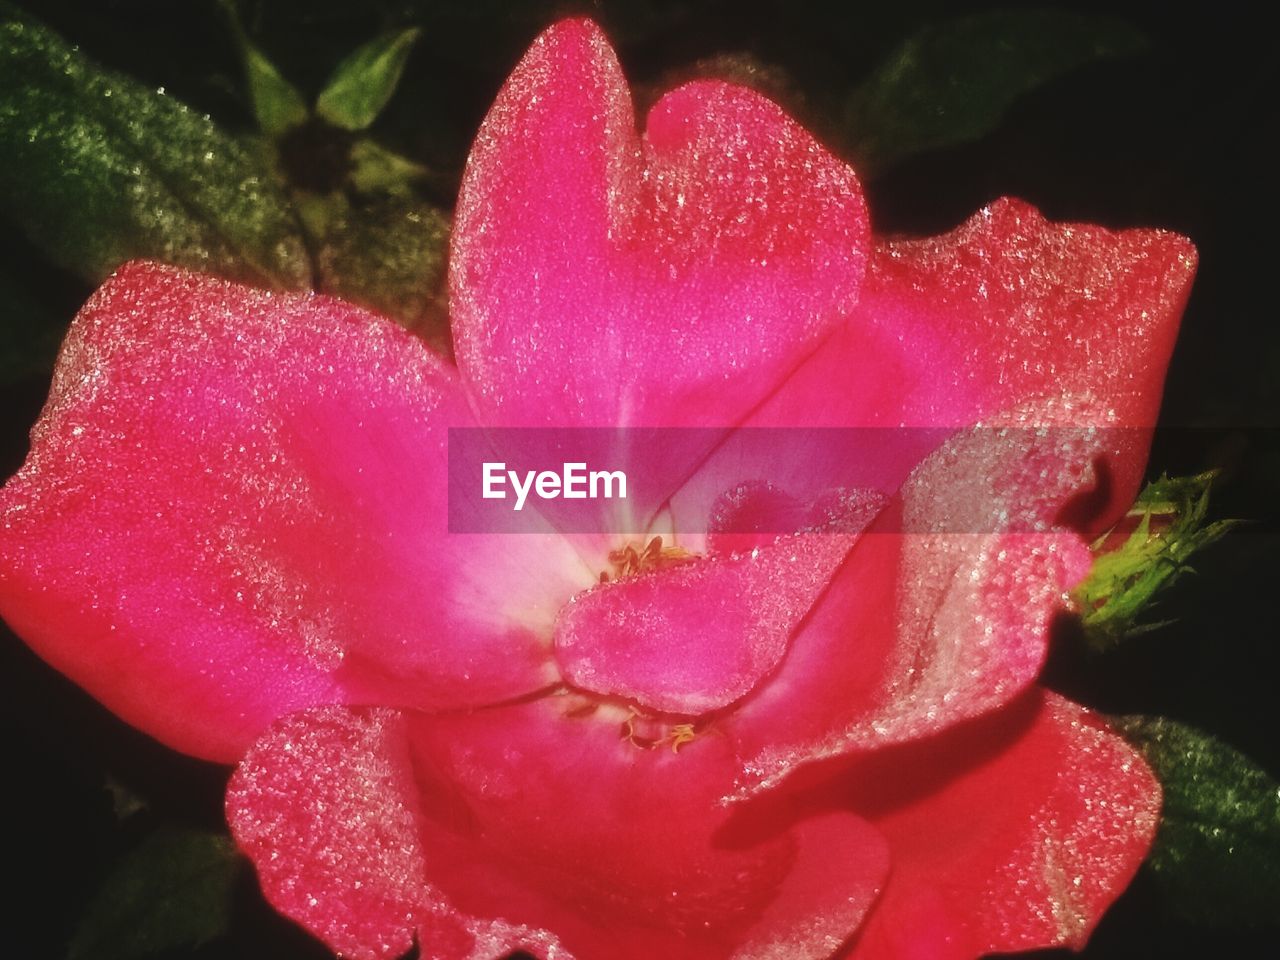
point(635, 727)
point(679, 636)
point(634, 559)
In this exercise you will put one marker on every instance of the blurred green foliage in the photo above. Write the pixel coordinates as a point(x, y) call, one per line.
point(952, 81)
point(363, 83)
point(1217, 855)
point(98, 169)
point(173, 891)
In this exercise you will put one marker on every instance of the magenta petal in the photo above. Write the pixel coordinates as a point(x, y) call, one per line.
point(694, 638)
point(942, 610)
point(1009, 307)
point(324, 807)
point(763, 478)
point(598, 279)
point(1005, 309)
point(553, 821)
point(1023, 850)
point(524, 828)
point(234, 508)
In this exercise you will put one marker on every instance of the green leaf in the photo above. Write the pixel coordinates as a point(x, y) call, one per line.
point(277, 105)
point(386, 252)
point(1169, 524)
point(99, 169)
point(1217, 855)
point(952, 81)
point(363, 83)
point(175, 890)
point(375, 169)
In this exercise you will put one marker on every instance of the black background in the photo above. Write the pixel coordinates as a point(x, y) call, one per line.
point(1179, 137)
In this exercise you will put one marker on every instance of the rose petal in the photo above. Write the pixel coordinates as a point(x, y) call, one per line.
point(234, 507)
point(599, 279)
point(370, 827)
point(791, 466)
point(696, 637)
point(323, 807)
point(557, 822)
point(1008, 307)
point(940, 613)
point(1013, 834)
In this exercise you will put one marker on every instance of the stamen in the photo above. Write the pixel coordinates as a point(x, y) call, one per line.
point(681, 734)
point(631, 736)
point(628, 561)
point(656, 733)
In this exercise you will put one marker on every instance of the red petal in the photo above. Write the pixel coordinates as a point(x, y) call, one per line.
point(697, 637)
point(940, 613)
point(561, 824)
point(234, 508)
point(1004, 309)
point(323, 806)
point(1009, 307)
point(554, 834)
point(599, 279)
point(1013, 834)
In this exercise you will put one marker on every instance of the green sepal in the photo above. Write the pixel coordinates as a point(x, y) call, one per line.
point(277, 104)
point(1171, 525)
point(376, 169)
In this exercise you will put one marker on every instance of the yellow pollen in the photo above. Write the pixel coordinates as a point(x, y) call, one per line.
point(628, 561)
point(681, 734)
point(653, 735)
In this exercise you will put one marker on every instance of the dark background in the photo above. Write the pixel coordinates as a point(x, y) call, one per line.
point(1181, 136)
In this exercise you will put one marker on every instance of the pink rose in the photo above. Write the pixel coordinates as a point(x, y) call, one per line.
point(232, 529)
